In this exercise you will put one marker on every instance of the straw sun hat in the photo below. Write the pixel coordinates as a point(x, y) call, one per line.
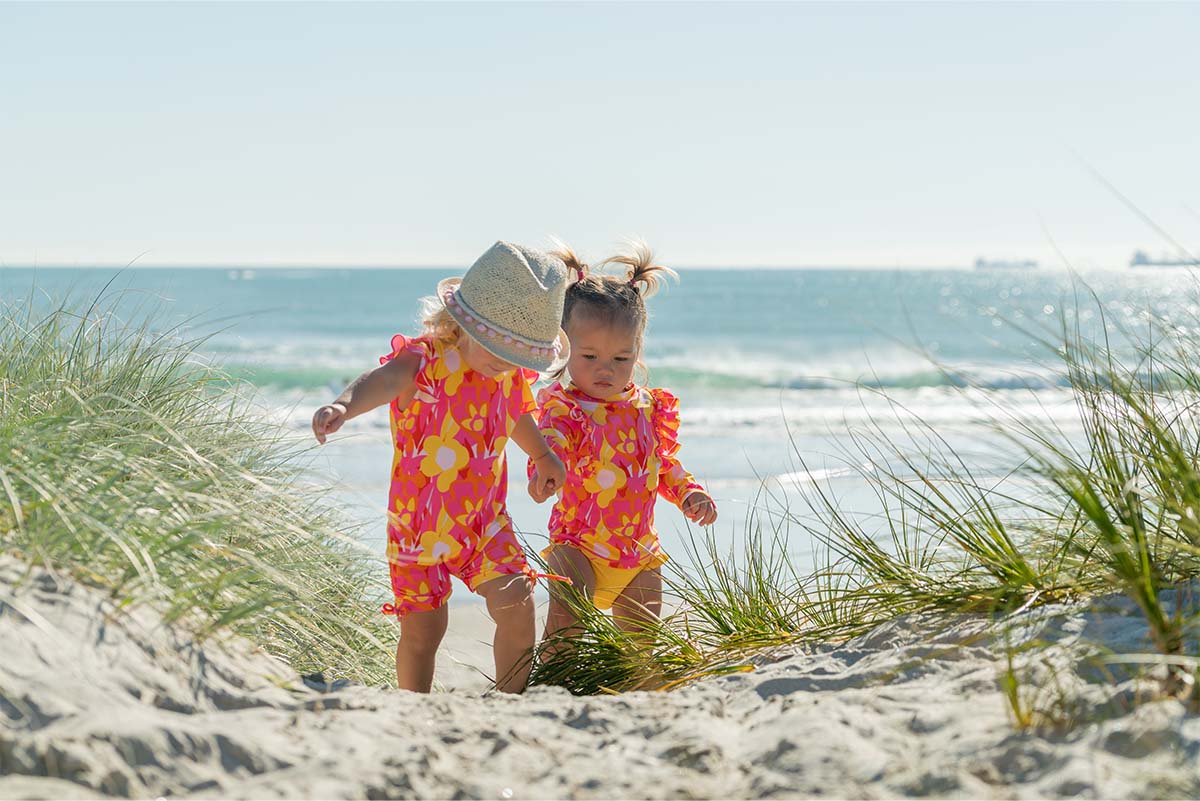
point(511, 303)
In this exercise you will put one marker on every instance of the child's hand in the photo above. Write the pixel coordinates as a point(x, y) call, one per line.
point(534, 483)
point(535, 488)
point(328, 419)
point(549, 476)
point(699, 508)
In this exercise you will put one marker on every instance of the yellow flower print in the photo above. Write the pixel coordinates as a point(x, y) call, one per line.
point(475, 418)
point(439, 545)
point(444, 456)
point(402, 512)
point(629, 523)
point(471, 507)
point(626, 442)
point(605, 483)
point(449, 369)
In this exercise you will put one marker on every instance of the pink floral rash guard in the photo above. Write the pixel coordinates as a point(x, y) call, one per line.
point(446, 505)
point(619, 454)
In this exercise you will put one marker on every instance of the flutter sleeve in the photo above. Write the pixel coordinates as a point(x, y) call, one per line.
point(527, 379)
point(674, 482)
point(423, 348)
point(561, 422)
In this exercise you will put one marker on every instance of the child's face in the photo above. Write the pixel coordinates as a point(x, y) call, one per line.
point(603, 356)
point(481, 360)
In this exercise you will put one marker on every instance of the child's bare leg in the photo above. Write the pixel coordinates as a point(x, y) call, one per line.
point(510, 603)
point(640, 603)
point(420, 635)
point(568, 561)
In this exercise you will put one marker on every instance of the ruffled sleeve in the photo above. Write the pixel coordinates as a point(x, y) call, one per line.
point(423, 348)
point(562, 423)
point(674, 482)
point(527, 378)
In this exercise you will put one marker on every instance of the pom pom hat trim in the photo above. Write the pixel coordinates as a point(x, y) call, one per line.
point(511, 302)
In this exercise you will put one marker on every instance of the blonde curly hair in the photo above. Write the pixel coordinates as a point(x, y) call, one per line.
point(437, 322)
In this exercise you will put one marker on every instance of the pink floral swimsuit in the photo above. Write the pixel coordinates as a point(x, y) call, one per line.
point(618, 454)
point(446, 506)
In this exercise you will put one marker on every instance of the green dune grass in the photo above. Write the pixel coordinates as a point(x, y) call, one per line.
point(129, 464)
point(1115, 509)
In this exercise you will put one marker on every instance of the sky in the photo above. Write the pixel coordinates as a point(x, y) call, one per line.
point(778, 134)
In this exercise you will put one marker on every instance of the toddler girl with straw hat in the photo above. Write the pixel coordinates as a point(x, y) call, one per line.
point(457, 393)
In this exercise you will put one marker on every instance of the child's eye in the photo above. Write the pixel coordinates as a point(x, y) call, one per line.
point(622, 358)
point(590, 357)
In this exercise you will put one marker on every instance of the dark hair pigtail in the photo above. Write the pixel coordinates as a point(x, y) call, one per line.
point(577, 269)
point(643, 275)
point(611, 299)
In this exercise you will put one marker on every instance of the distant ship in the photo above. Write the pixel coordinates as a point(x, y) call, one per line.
point(1004, 264)
point(1142, 259)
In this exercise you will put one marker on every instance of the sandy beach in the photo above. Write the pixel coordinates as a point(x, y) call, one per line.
point(102, 702)
point(878, 321)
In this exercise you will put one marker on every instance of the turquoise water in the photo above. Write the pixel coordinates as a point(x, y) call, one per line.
point(718, 330)
point(773, 367)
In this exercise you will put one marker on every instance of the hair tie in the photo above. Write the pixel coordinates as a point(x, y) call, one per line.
point(579, 274)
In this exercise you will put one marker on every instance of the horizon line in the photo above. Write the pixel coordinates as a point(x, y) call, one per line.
point(274, 265)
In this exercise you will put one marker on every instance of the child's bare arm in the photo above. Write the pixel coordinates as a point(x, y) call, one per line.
point(549, 475)
point(392, 379)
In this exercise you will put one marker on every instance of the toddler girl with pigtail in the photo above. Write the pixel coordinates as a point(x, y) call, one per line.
point(619, 443)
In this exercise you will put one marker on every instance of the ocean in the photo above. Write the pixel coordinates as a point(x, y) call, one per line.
point(779, 372)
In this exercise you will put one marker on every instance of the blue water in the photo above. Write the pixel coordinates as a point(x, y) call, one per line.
point(717, 329)
point(774, 368)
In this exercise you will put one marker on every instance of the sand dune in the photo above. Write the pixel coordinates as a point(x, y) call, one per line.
point(98, 702)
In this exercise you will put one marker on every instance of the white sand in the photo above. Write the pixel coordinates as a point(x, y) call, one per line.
point(465, 663)
point(94, 703)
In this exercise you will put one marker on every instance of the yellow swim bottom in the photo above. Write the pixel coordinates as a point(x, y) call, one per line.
point(610, 581)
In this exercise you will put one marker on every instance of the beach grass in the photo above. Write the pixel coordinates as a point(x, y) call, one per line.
point(130, 464)
point(1113, 506)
